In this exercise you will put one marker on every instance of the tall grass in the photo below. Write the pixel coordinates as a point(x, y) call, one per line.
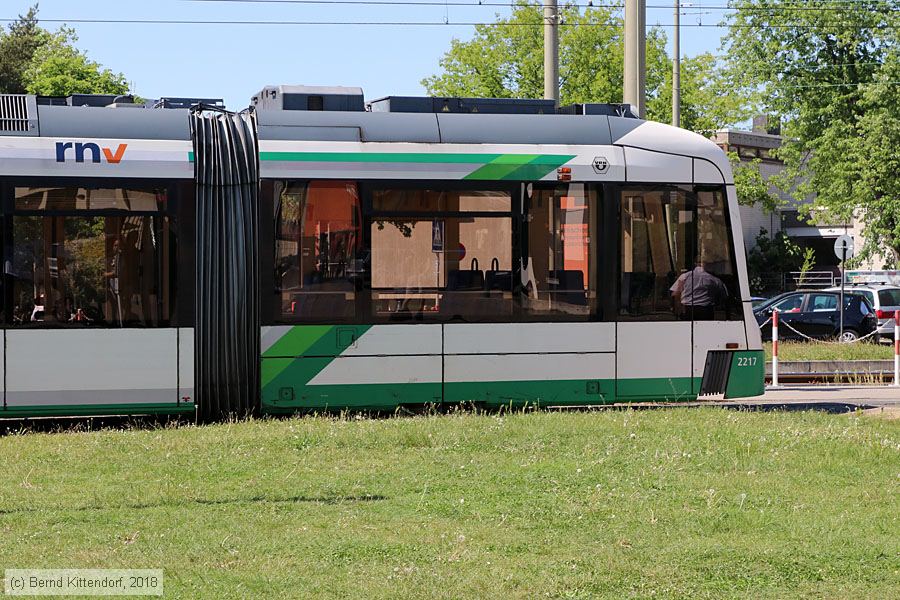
point(830, 351)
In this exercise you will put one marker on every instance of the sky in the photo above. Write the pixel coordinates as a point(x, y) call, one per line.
point(235, 61)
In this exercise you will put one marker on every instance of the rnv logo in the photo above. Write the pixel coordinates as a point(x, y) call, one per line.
point(80, 149)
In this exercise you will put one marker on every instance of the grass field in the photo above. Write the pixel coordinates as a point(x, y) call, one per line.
point(830, 351)
point(679, 503)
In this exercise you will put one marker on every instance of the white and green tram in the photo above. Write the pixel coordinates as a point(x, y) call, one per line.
point(319, 253)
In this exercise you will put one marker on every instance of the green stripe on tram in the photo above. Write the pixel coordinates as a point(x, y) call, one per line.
point(494, 167)
point(383, 157)
point(520, 167)
point(307, 349)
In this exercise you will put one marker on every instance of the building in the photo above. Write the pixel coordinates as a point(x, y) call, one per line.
point(760, 144)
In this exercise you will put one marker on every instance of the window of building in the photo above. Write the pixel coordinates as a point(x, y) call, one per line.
point(319, 264)
point(90, 257)
point(558, 266)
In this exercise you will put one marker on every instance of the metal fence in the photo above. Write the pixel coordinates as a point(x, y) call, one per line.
point(772, 284)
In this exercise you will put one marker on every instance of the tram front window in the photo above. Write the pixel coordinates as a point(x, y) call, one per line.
point(677, 258)
point(714, 247)
point(78, 268)
point(657, 247)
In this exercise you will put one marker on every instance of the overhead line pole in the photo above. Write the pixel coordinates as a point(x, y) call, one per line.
point(551, 51)
point(635, 56)
point(676, 68)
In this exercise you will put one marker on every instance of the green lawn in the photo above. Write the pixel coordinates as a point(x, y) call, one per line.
point(830, 351)
point(670, 503)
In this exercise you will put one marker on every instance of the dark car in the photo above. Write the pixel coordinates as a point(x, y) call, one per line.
point(815, 314)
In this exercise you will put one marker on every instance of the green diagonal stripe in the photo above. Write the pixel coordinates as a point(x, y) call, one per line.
point(520, 167)
point(294, 343)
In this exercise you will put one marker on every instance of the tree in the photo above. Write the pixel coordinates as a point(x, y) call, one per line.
point(58, 68)
point(36, 61)
point(505, 60)
point(769, 259)
point(751, 187)
point(826, 70)
point(17, 48)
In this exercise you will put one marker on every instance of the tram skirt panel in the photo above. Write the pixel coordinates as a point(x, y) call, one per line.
point(227, 325)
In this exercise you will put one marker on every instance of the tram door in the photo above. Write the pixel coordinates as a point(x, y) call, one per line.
point(545, 345)
point(653, 337)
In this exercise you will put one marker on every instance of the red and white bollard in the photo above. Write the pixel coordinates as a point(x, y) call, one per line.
point(896, 348)
point(775, 349)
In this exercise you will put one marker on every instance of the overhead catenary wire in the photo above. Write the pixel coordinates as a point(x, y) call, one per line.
point(840, 5)
point(442, 23)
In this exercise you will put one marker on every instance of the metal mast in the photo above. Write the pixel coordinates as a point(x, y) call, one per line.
point(551, 51)
point(635, 55)
point(676, 68)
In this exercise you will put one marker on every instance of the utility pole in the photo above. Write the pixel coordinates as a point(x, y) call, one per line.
point(551, 51)
point(635, 55)
point(676, 68)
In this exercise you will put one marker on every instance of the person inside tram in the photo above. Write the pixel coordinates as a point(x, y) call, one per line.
point(697, 292)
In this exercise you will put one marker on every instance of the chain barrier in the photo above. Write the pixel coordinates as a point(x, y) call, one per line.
point(827, 342)
point(775, 323)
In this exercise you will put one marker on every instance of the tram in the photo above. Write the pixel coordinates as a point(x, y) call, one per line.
point(405, 252)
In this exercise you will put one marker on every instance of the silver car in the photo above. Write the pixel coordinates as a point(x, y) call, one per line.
point(885, 299)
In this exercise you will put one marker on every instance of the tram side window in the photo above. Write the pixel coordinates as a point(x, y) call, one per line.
point(454, 267)
point(99, 259)
point(716, 255)
point(657, 247)
point(557, 270)
point(319, 265)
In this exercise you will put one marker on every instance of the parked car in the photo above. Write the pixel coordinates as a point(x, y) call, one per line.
point(758, 301)
point(814, 313)
point(884, 298)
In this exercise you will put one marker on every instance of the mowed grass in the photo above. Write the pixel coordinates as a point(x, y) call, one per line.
point(677, 503)
point(830, 351)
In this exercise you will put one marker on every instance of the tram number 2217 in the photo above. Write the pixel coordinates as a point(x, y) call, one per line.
point(746, 361)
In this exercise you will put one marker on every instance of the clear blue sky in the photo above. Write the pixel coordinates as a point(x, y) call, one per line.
point(235, 61)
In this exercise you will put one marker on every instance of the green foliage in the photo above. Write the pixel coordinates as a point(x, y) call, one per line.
point(801, 351)
point(17, 48)
point(751, 187)
point(708, 102)
point(770, 257)
point(35, 61)
point(827, 73)
point(59, 69)
point(505, 60)
point(809, 261)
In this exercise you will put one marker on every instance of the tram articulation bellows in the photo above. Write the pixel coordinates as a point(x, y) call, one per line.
point(226, 350)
